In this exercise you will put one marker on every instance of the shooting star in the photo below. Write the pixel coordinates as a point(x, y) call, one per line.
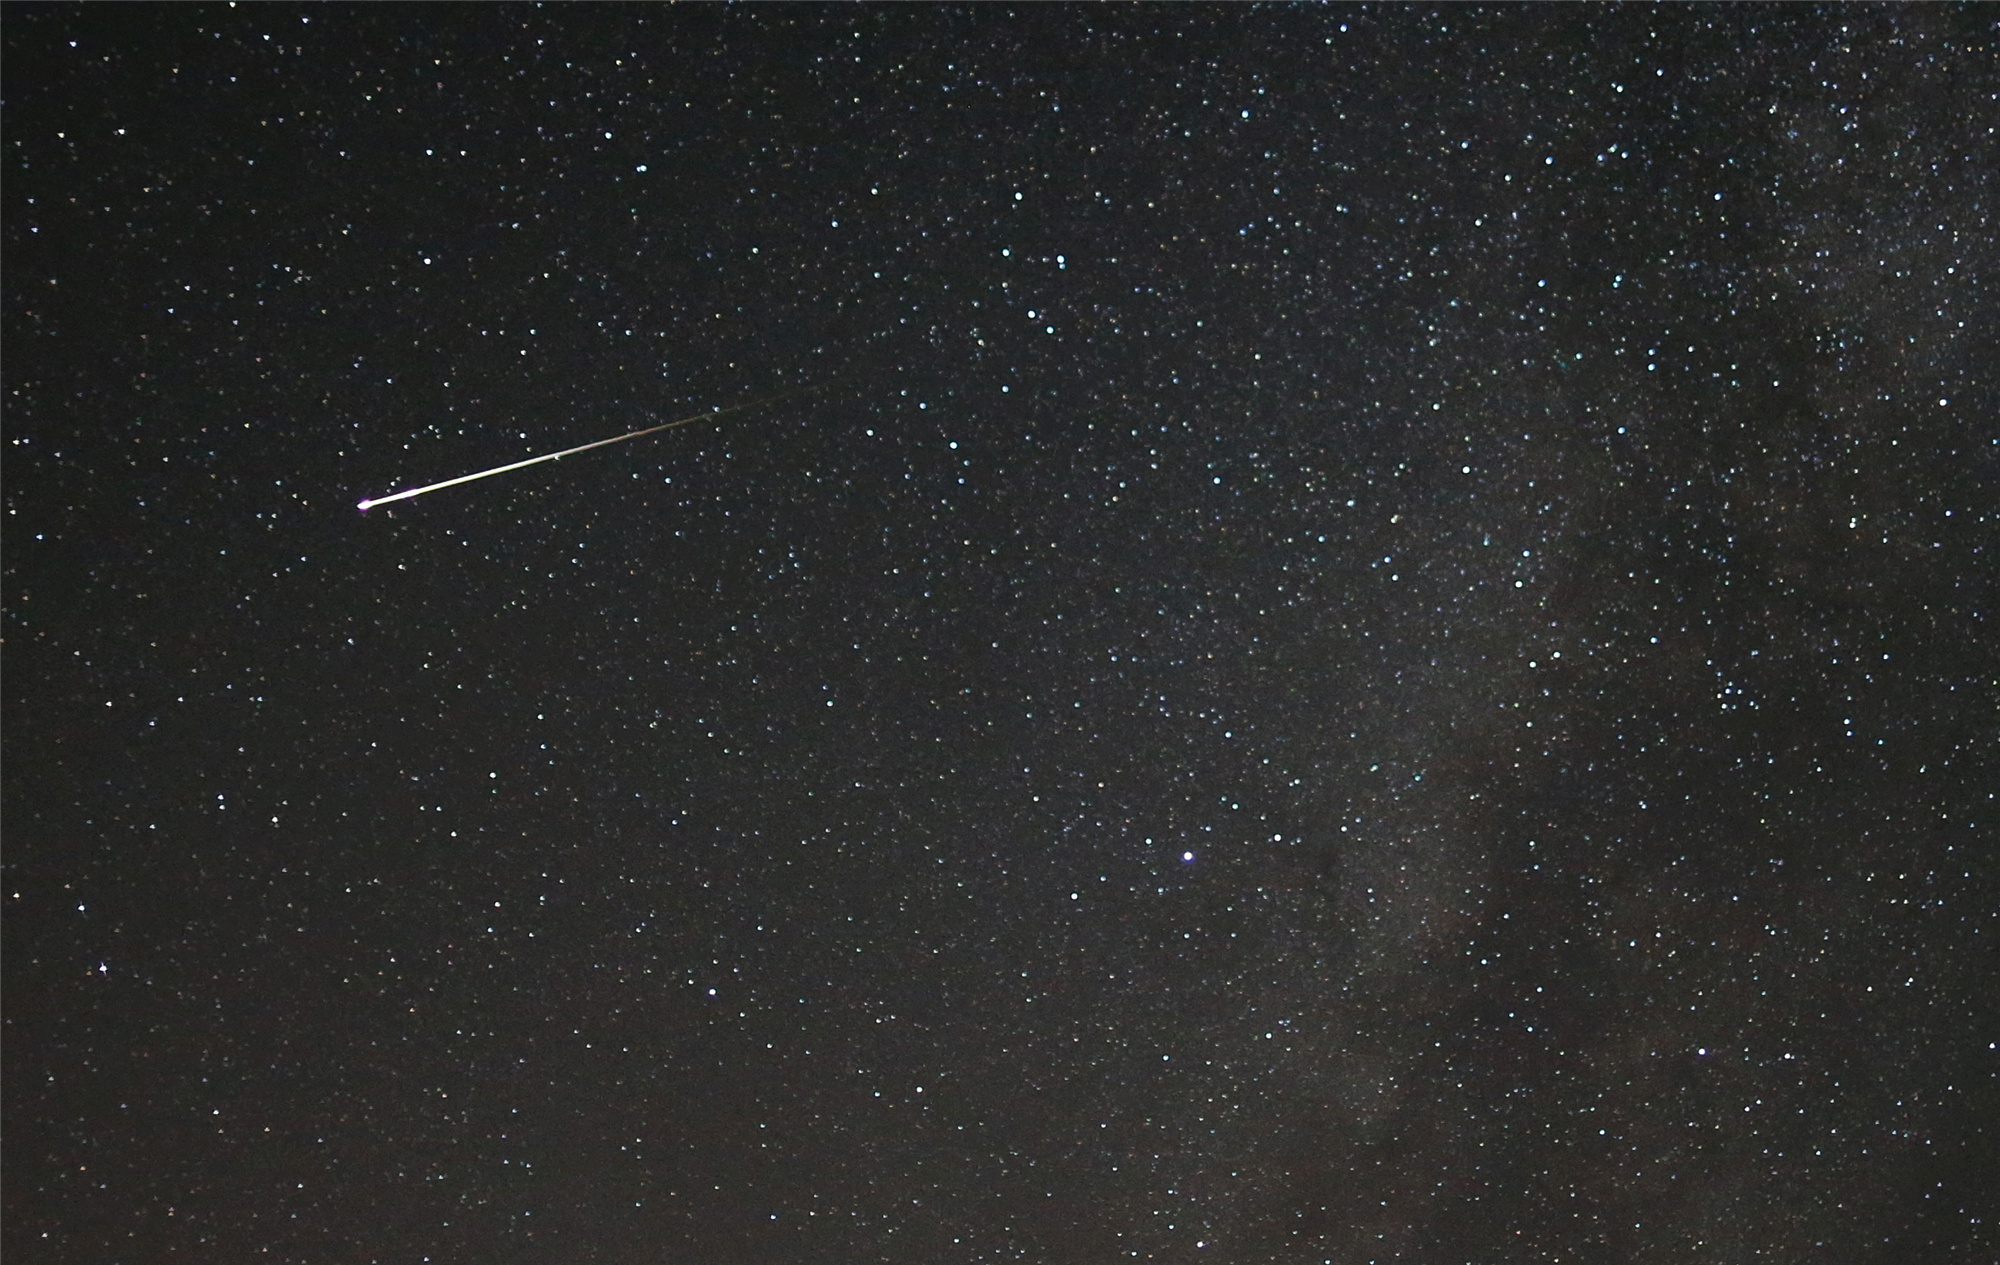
point(369, 503)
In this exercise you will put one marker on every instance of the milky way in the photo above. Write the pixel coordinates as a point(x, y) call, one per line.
point(1379, 647)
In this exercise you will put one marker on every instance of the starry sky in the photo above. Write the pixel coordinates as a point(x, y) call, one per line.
point(1324, 634)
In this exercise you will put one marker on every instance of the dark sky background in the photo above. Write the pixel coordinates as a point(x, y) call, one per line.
point(1375, 643)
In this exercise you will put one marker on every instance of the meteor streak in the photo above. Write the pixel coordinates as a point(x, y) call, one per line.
point(407, 493)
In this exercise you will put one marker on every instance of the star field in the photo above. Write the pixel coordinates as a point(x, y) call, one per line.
point(1333, 634)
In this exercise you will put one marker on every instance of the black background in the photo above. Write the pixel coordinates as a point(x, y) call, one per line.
point(1374, 640)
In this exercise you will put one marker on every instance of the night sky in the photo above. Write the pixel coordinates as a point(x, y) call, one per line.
point(1331, 635)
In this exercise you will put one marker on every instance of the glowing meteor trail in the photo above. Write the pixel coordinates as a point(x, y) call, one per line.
point(407, 493)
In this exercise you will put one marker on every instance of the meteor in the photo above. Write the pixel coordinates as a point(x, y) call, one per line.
point(371, 502)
